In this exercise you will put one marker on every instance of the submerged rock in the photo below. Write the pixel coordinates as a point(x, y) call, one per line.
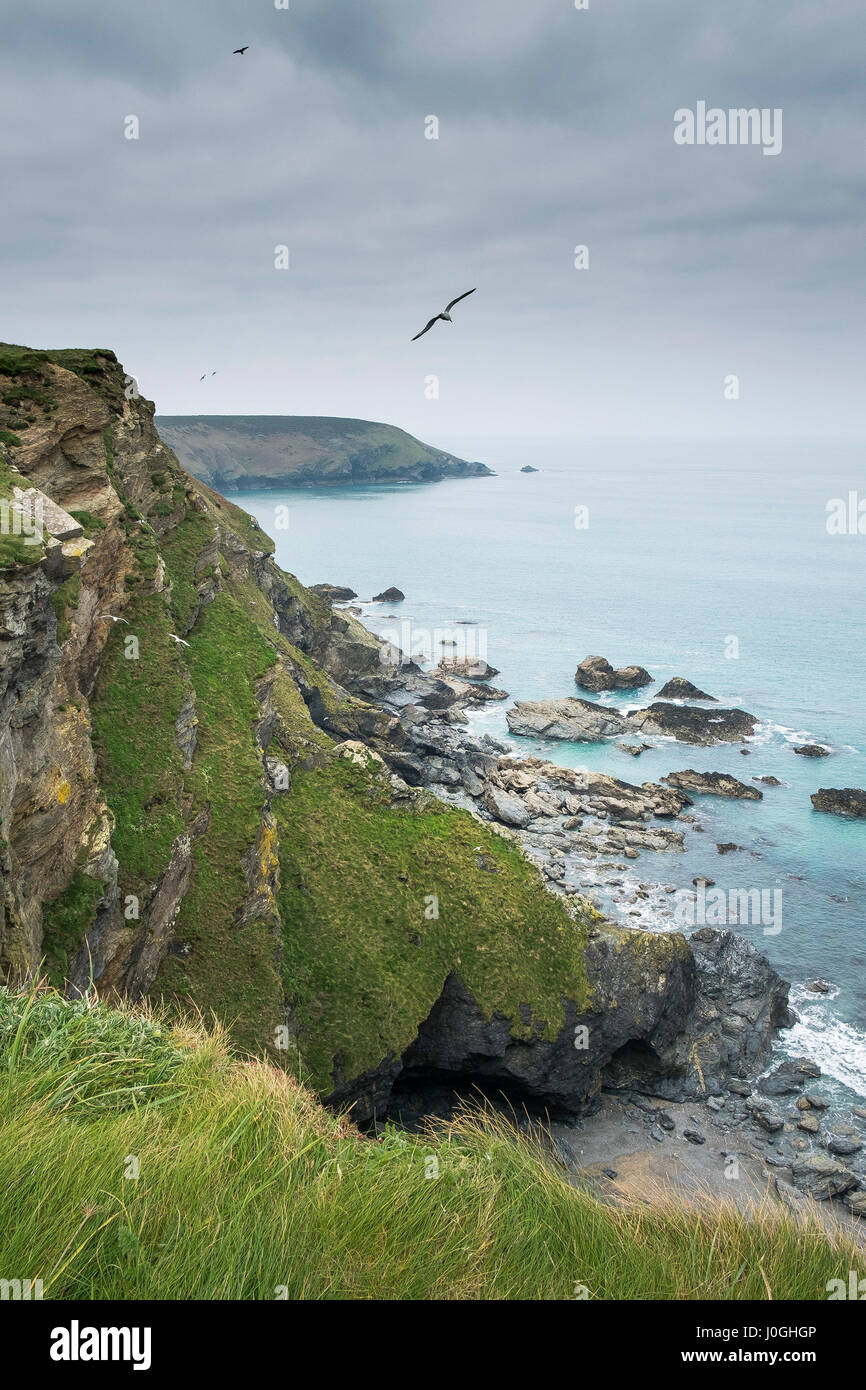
point(812, 750)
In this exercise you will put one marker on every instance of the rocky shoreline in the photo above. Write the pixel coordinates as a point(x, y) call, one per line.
point(716, 1057)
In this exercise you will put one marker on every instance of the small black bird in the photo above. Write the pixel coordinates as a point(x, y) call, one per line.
point(446, 314)
point(241, 50)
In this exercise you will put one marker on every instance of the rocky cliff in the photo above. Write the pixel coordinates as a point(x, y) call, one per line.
point(253, 452)
point(208, 797)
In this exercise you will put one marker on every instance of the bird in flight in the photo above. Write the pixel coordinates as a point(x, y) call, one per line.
point(179, 640)
point(445, 315)
point(111, 618)
point(241, 50)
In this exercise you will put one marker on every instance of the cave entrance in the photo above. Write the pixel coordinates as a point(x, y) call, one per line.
point(422, 1093)
point(634, 1066)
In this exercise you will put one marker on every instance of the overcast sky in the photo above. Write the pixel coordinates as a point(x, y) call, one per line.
point(556, 129)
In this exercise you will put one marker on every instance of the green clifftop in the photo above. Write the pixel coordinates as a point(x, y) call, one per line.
point(232, 452)
point(175, 822)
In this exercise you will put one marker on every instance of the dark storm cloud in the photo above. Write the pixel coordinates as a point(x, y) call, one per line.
point(556, 128)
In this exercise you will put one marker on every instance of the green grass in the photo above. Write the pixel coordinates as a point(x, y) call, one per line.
point(134, 707)
point(232, 967)
point(247, 1189)
point(65, 921)
point(363, 963)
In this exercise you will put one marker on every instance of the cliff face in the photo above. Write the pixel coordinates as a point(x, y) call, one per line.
point(195, 808)
point(254, 452)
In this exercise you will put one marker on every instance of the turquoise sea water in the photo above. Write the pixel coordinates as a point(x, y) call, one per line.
point(685, 549)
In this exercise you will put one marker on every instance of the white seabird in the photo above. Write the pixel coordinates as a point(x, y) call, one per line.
point(446, 314)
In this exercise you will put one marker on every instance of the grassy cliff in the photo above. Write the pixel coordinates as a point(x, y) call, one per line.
point(144, 1161)
point(175, 867)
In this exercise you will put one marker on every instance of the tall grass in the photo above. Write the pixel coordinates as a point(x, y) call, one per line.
point(248, 1189)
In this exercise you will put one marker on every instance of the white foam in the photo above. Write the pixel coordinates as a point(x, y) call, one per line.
point(837, 1047)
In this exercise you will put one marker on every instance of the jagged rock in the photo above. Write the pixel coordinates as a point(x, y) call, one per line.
point(571, 719)
point(333, 593)
point(728, 847)
point(739, 1004)
point(468, 667)
point(769, 781)
point(583, 721)
point(506, 808)
point(391, 595)
point(712, 784)
point(679, 689)
point(789, 1077)
point(186, 729)
point(596, 673)
point(528, 468)
point(843, 1145)
point(840, 801)
point(812, 750)
point(691, 724)
point(822, 1177)
point(635, 749)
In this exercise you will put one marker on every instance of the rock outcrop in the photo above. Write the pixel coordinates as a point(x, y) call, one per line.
point(712, 784)
point(584, 721)
point(841, 801)
point(689, 724)
point(570, 719)
point(677, 688)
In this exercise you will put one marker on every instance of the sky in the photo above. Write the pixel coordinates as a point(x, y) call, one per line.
point(556, 125)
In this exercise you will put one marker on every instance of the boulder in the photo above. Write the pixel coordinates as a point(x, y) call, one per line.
point(679, 689)
point(596, 673)
point(812, 750)
point(333, 593)
point(470, 668)
point(840, 801)
point(712, 784)
point(570, 719)
point(822, 1177)
point(505, 807)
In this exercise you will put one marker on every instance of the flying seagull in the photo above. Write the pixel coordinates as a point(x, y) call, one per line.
point(445, 315)
point(241, 50)
point(180, 642)
point(111, 618)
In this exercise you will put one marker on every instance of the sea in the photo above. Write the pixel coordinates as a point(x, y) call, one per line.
point(739, 566)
